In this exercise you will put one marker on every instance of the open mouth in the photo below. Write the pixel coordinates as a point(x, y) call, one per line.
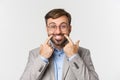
point(58, 38)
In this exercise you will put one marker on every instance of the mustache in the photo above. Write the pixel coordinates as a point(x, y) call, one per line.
point(61, 34)
point(56, 34)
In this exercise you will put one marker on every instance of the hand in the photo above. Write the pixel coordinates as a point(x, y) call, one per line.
point(70, 48)
point(46, 49)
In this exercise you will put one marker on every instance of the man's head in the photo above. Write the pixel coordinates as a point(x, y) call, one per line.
point(58, 23)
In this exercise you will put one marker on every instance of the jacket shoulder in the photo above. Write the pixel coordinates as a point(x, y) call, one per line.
point(83, 51)
point(34, 52)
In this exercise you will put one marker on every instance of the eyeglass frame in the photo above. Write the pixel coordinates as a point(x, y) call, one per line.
point(55, 26)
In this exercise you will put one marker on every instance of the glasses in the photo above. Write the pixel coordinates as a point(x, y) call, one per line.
point(63, 27)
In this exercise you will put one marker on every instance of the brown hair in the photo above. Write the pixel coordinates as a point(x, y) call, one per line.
point(56, 13)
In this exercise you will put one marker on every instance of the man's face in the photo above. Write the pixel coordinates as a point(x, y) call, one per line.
point(58, 27)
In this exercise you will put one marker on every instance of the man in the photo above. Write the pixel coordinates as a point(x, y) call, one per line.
point(59, 58)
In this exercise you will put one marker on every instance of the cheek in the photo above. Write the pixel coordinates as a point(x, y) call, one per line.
point(50, 32)
point(67, 33)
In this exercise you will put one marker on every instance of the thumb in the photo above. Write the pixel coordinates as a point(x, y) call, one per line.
point(41, 46)
point(77, 43)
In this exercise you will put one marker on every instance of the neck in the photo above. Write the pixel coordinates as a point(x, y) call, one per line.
point(58, 47)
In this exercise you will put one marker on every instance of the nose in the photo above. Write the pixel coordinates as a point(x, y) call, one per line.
point(58, 30)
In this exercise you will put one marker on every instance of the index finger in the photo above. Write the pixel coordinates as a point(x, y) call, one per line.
point(46, 42)
point(69, 39)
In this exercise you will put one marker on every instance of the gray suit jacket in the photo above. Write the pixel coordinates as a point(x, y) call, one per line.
point(79, 68)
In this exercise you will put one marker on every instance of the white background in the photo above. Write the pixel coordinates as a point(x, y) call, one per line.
point(94, 22)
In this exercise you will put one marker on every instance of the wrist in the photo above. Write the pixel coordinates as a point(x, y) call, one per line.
point(73, 56)
point(44, 59)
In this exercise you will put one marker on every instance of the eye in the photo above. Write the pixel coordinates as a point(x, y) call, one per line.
point(63, 26)
point(53, 26)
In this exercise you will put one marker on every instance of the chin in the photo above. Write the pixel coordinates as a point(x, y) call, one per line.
point(59, 43)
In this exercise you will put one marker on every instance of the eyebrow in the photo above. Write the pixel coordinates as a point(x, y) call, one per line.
point(52, 23)
point(60, 23)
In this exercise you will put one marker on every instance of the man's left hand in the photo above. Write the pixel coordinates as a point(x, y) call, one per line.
point(70, 48)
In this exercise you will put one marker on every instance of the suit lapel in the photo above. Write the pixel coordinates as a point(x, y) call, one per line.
point(65, 68)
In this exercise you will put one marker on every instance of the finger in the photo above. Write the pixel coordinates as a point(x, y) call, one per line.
point(41, 45)
point(48, 39)
point(77, 43)
point(69, 39)
point(49, 44)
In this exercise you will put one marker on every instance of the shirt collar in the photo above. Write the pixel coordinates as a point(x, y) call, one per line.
point(56, 51)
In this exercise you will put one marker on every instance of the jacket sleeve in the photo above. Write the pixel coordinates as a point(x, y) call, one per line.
point(35, 68)
point(82, 67)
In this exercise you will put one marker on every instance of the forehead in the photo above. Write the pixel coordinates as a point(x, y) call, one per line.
point(62, 19)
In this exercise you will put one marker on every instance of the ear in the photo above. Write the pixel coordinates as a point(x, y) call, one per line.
point(46, 28)
point(70, 29)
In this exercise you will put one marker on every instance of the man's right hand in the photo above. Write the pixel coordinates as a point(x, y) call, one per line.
point(45, 49)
